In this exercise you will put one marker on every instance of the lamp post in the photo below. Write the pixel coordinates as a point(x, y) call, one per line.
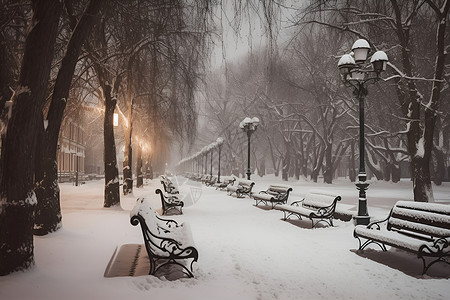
point(249, 126)
point(357, 73)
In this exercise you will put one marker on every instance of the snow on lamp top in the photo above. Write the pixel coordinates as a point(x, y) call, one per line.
point(379, 60)
point(249, 124)
point(346, 63)
point(361, 49)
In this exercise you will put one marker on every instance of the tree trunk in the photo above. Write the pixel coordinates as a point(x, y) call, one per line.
point(127, 163)
point(286, 164)
point(139, 175)
point(395, 172)
point(48, 210)
point(128, 153)
point(18, 199)
point(276, 168)
point(112, 194)
point(297, 166)
point(328, 170)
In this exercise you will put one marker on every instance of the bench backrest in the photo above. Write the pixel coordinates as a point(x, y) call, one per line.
point(143, 209)
point(227, 179)
point(280, 192)
point(246, 183)
point(153, 227)
point(423, 220)
point(319, 199)
point(279, 188)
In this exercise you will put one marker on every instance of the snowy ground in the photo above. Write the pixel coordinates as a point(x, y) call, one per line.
point(245, 252)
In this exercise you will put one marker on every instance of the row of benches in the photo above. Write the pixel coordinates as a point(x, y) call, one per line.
point(170, 201)
point(318, 207)
point(420, 228)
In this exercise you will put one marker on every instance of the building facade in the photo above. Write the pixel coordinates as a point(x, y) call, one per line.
point(71, 151)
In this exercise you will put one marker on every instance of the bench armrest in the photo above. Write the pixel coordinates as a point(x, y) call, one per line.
point(376, 224)
point(297, 203)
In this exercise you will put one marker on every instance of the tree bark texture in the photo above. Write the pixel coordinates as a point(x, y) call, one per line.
point(127, 162)
point(139, 175)
point(18, 199)
point(48, 210)
point(112, 194)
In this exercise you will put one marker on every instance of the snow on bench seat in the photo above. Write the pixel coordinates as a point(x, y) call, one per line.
point(243, 187)
point(165, 240)
point(275, 195)
point(316, 205)
point(420, 228)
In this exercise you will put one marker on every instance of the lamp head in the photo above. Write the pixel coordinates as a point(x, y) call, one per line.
point(346, 64)
point(361, 50)
point(379, 61)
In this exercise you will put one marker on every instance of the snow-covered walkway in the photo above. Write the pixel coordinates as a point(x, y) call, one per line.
point(245, 252)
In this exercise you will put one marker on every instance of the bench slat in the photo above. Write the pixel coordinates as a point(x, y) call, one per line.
point(435, 219)
point(391, 238)
point(417, 227)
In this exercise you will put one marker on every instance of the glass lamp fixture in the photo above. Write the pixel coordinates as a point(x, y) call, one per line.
point(379, 61)
point(361, 50)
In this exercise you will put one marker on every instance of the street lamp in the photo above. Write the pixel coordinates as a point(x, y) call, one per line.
point(249, 126)
point(357, 73)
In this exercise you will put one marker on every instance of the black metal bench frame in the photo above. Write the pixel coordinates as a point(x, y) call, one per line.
point(212, 180)
point(168, 185)
point(412, 220)
point(173, 251)
point(170, 202)
point(275, 194)
point(225, 182)
point(243, 187)
point(316, 211)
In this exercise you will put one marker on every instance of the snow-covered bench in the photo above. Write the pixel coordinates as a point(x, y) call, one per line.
point(275, 194)
point(243, 187)
point(417, 227)
point(206, 178)
point(212, 180)
point(224, 182)
point(317, 206)
point(170, 202)
point(168, 185)
point(166, 241)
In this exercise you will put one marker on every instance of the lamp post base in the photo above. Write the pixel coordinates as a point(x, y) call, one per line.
point(363, 217)
point(248, 174)
point(361, 220)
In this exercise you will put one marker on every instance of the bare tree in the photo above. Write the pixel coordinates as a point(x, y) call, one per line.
point(392, 25)
point(19, 149)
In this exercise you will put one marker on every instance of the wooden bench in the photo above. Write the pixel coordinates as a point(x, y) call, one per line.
point(224, 182)
point(243, 187)
point(317, 206)
point(166, 242)
point(168, 185)
point(417, 227)
point(275, 194)
point(170, 202)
